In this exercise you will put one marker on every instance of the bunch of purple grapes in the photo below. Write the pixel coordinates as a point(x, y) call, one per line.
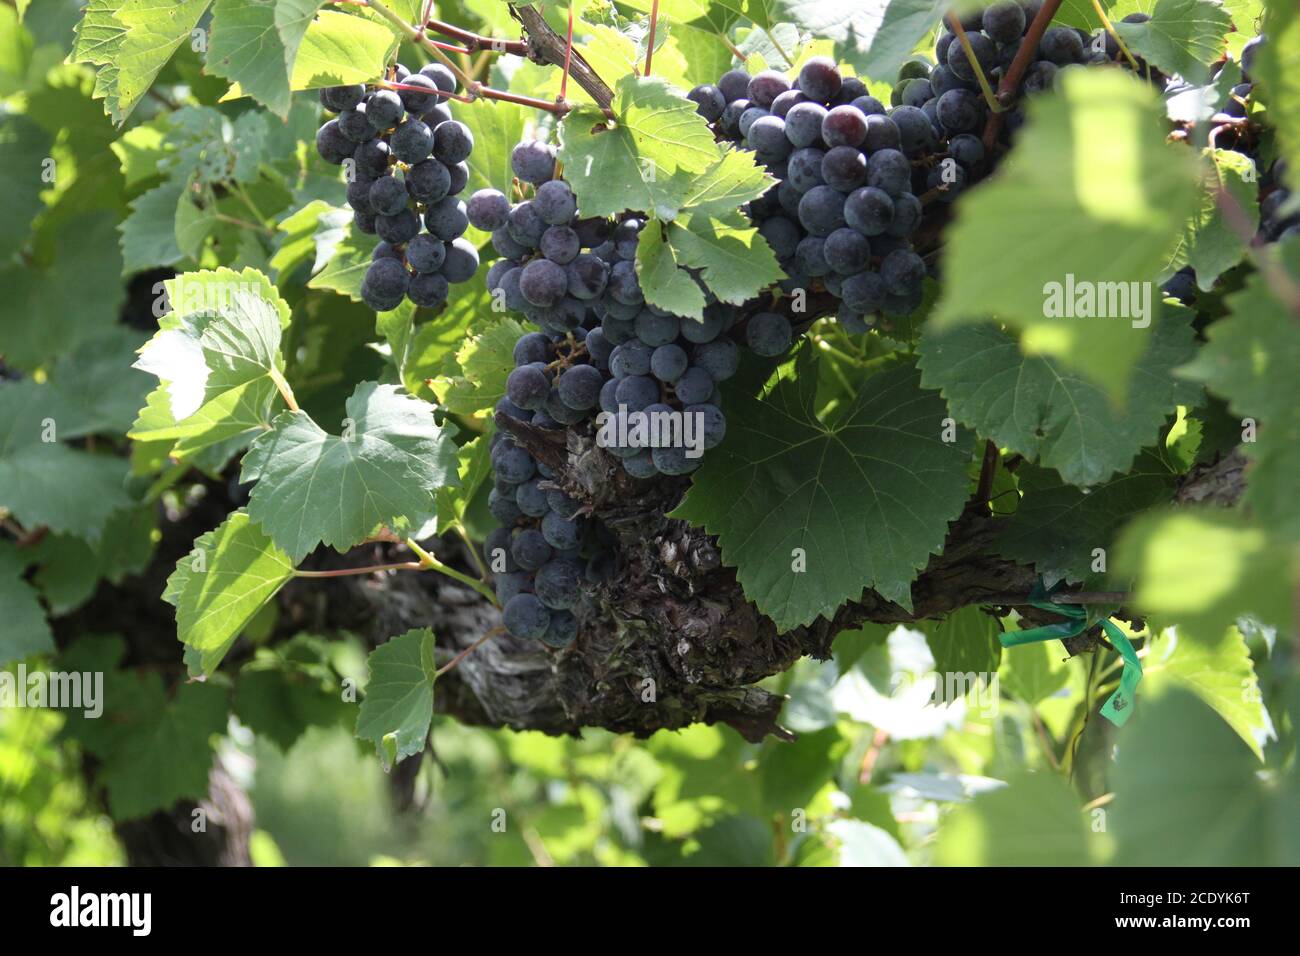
point(404, 157)
point(601, 348)
point(844, 204)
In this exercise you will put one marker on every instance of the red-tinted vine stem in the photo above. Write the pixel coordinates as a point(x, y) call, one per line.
point(568, 57)
point(650, 44)
point(476, 42)
point(1016, 71)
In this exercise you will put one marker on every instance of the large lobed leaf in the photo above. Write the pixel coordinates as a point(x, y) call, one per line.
point(866, 500)
point(313, 487)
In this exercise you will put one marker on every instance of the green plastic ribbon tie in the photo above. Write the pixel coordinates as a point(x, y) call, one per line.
point(1119, 705)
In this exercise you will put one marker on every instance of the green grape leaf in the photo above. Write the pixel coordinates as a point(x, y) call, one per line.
point(398, 706)
point(1098, 214)
point(1056, 526)
point(131, 40)
point(335, 49)
point(1219, 672)
point(70, 567)
point(1253, 360)
point(246, 49)
point(1033, 672)
point(735, 263)
point(648, 160)
point(24, 150)
point(1278, 73)
point(1041, 409)
point(1182, 36)
point(313, 487)
point(217, 357)
point(312, 233)
point(860, 504)
point(727, 185)
point(663, 281)
point(194, 223)
point(347, 265)
point(474, 465)
point(483, 363)
point(496, 126)
point(149, 232)
point(1035, 820)
point(293, 18)
point(161, 749)
point(65, 489)
point(23, 628)
point(1209, 244)
point(1204, 569)
point(222, 583)
point(965, 645)
point(873, 38)
point(1190, 794)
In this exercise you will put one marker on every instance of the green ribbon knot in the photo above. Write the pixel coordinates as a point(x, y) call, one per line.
point(1119, 705)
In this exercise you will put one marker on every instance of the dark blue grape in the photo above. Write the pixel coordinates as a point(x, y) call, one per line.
point(461, 262)
point(819, 79)
point(385, 109)
point(1061, 45)
point(847, 251)
point(960, 111)
point(555, 202)
point(623, 285)
point(336, 99)
point(668, 362)
point(695, 385)
point(902, 272)
point(844, 126)
point(915, 132)
point(821, 210)
point(1004, 22)
point(805, 169)
point(428, 182)
point(452, 142)
point(398, 229)
point(810, 256)
point(719, 358)
point(784, 102)
point(525, 225)
point(557, 583)
point(986, 55)
point(560, 244)
point(587, 276)
point(631, 358)
point(768, 333)
point(766, 86)
point(560, 532)
point(424, 253)
point(907, 216)
point(844, 168)
point(487, 209)
point(533, 162)
point(531, 499)
point(526, 617)
point(332, 145)
point(531, 347)
point(734, 84)
point(579, 387)
point(781, 234)
point(864, 292)
point(709, 101)
point(890, 171)
point(543, 283)
point(712, 423)
point(637, 392)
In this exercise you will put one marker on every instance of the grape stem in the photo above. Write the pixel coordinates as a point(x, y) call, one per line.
point(955, 26)
point(1016, 71)
point(430, 563)
point(568, 56)
point(1110, 28)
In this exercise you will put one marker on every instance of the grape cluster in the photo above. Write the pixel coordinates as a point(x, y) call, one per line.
point(405, 160)
point(601, 349)
point(845, 201)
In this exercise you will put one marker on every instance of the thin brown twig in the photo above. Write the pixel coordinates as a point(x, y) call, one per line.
point(476, 42)
point(451, 665)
